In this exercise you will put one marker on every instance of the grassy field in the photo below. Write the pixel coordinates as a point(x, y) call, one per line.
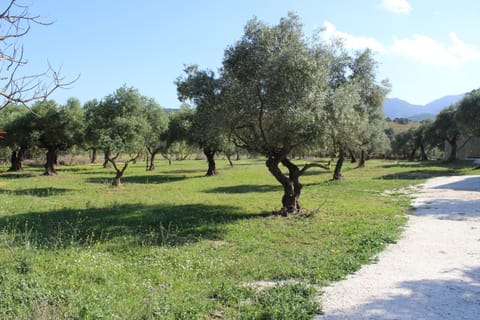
point(173, 244)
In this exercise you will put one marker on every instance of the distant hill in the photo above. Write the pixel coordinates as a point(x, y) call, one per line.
point(397, 108)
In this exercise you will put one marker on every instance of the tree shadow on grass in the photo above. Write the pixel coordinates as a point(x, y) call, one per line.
point(19, 175)
point(162, 225)
point(145, 179)
point(429, 299)
point(38, 192)
point(245, 188)
point(420, 174)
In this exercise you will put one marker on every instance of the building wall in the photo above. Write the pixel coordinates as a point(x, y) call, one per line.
point(470, 150)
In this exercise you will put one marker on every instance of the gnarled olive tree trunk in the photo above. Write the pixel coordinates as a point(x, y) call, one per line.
point(337, 174)
point(210, 154)
point(93, 156)
point(151, 167)
point(51, 161)
point(106, 157)
point(16, 160)
point(453, 151)
point(361, 162)
point(292, 187)
point(423, 153)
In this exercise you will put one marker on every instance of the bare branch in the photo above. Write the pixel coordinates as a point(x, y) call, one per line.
point(15, 22)
point(315, 165)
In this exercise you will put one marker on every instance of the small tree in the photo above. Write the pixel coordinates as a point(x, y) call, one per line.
point(206, 131)
point(19, 137)
point(122, 128)
point(59, 128)
point(179, 133)
point(371, 136)
point(92, 132)
point(343, 122)
point(156, 135)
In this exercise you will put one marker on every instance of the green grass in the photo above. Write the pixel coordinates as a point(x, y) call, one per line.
point(173, 244)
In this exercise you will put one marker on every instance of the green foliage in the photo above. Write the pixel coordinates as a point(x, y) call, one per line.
point(179, 125)
point(123, 114)
point(156, 135)
point(59, 128)
point(469, 112)
point(273, 88)
point(203, 89)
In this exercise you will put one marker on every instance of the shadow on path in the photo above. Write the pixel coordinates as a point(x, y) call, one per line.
point(425, 299)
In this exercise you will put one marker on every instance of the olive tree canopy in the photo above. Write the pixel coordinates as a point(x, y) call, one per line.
point(273, 98)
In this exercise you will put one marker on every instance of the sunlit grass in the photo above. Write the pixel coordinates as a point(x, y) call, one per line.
point(173, 244)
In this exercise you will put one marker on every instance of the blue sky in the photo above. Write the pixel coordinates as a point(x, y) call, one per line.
point(426, 48)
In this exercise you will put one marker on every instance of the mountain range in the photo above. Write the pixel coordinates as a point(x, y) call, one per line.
point(398, 108)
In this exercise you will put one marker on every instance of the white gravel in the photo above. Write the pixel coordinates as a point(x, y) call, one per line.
point(431, 273)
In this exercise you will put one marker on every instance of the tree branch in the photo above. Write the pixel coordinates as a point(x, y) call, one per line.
point(315, 165)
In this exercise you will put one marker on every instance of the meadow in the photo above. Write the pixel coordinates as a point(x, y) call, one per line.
point(173, 244)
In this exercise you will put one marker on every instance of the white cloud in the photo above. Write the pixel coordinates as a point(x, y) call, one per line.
point(397, 6)
point(464, 52)
point(329, 32)
point(428, 51)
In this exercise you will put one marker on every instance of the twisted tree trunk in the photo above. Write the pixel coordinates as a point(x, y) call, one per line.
point(453, 152)
point(361, 162)
point(291, 185)
point(51, 160)
point(16, 160)
point(337, 174)
point(210, 154)
point(94, 155)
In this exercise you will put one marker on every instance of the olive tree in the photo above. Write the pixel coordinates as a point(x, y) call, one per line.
point(468, 113)
point(19, 135)
point(156, 135)
point(273, 98)
point(206, 131)
point(59, 129)
point(122, 127)
point(446, 128)
point(371, 137)
point(178, 133)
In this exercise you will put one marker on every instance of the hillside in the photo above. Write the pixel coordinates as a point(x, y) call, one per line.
point(398, 108)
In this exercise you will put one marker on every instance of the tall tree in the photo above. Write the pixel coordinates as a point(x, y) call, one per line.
point(122, 128)
point(274, 84)
point(206, 131)
point(15, 87)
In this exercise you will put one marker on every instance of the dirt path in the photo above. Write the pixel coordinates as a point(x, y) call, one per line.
point(431, 273)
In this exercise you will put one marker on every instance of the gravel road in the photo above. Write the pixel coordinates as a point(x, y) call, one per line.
point(431, 273)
